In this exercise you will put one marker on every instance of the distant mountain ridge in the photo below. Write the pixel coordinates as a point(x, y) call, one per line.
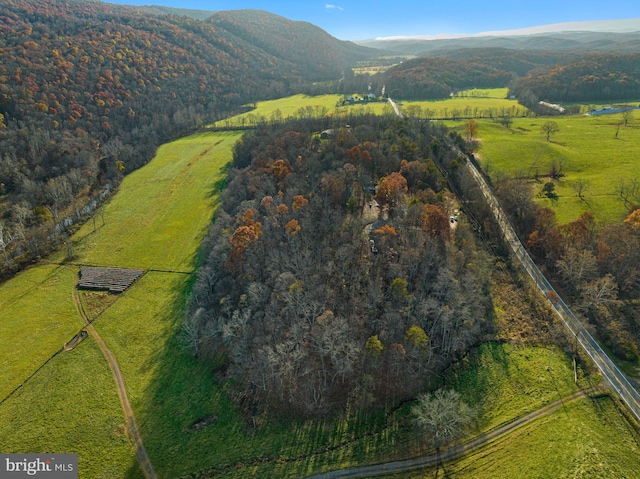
point(614, 36)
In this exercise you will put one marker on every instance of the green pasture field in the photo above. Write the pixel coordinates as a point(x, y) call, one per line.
point(161, 212)
point(31, 331)
point(159, 216)
point(288, 108)
point(490, 103)
point(71, 406)
point(499, 93)
point(586, 148)
point(584, 439)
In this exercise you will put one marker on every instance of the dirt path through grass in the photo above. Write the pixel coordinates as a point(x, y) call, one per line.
point(454, 452)
point(132, 425)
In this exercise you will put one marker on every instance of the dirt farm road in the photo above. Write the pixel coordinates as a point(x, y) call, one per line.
point(454, 452)
point(132, 425)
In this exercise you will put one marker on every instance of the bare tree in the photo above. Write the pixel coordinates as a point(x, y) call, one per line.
point(580, 186)
point(5, 240)
point(442, 417)
point(576, 266)
point(549, 128)
point(599, 292)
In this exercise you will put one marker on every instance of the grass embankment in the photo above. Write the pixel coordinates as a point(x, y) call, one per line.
point(289, 108)
point(585, 147)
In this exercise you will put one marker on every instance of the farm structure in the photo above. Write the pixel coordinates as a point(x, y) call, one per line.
point(114, 280)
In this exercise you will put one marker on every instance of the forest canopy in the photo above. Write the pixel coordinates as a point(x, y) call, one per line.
point(333, 274)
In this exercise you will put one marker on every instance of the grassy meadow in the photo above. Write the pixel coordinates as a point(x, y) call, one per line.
point(290, 108)
point(32, 330)
point(476, 103)
point(71, 406)
point(585, 438)
point(159, 216)
point(585, 147)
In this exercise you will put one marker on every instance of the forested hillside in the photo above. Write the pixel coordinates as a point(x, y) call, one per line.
point(88, 90)
point(313, 51)
point(309, 306)
point(589, 78)
point(509, 60)
point(423, 78)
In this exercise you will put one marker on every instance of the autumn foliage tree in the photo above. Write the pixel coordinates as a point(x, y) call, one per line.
point(391, 190)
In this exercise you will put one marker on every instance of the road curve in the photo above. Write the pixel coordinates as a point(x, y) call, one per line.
point(132, 425)
point(454, 452)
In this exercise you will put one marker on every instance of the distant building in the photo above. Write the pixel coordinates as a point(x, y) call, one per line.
point(326, 134)
point(552, 106)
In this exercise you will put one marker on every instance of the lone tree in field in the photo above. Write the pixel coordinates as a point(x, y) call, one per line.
point(442, 417)
point(580, 186)
point(549, 128)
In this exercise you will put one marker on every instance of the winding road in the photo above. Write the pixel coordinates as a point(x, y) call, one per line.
point(132, 425)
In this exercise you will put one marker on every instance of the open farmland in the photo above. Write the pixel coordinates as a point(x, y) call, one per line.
point(586, 149)
point(476, 103)
point(186, 418)
point(298, 106)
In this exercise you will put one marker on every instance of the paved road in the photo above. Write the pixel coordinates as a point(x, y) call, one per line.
point(453, 452)
point(395, 108)
point(612, 374)
point(132, 425)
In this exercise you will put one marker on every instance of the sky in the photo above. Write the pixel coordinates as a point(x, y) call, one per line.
point(360, 20)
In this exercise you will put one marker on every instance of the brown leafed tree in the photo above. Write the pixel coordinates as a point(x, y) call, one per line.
point(391, 190)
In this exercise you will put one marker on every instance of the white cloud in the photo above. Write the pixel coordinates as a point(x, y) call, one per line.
point(330, 7)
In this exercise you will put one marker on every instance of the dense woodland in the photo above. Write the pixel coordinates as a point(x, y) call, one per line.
point(315, 297)
point(89, 90)
point(438, 77)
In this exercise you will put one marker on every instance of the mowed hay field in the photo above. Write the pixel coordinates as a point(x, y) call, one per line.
point(585, 147)
point(289, 108)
